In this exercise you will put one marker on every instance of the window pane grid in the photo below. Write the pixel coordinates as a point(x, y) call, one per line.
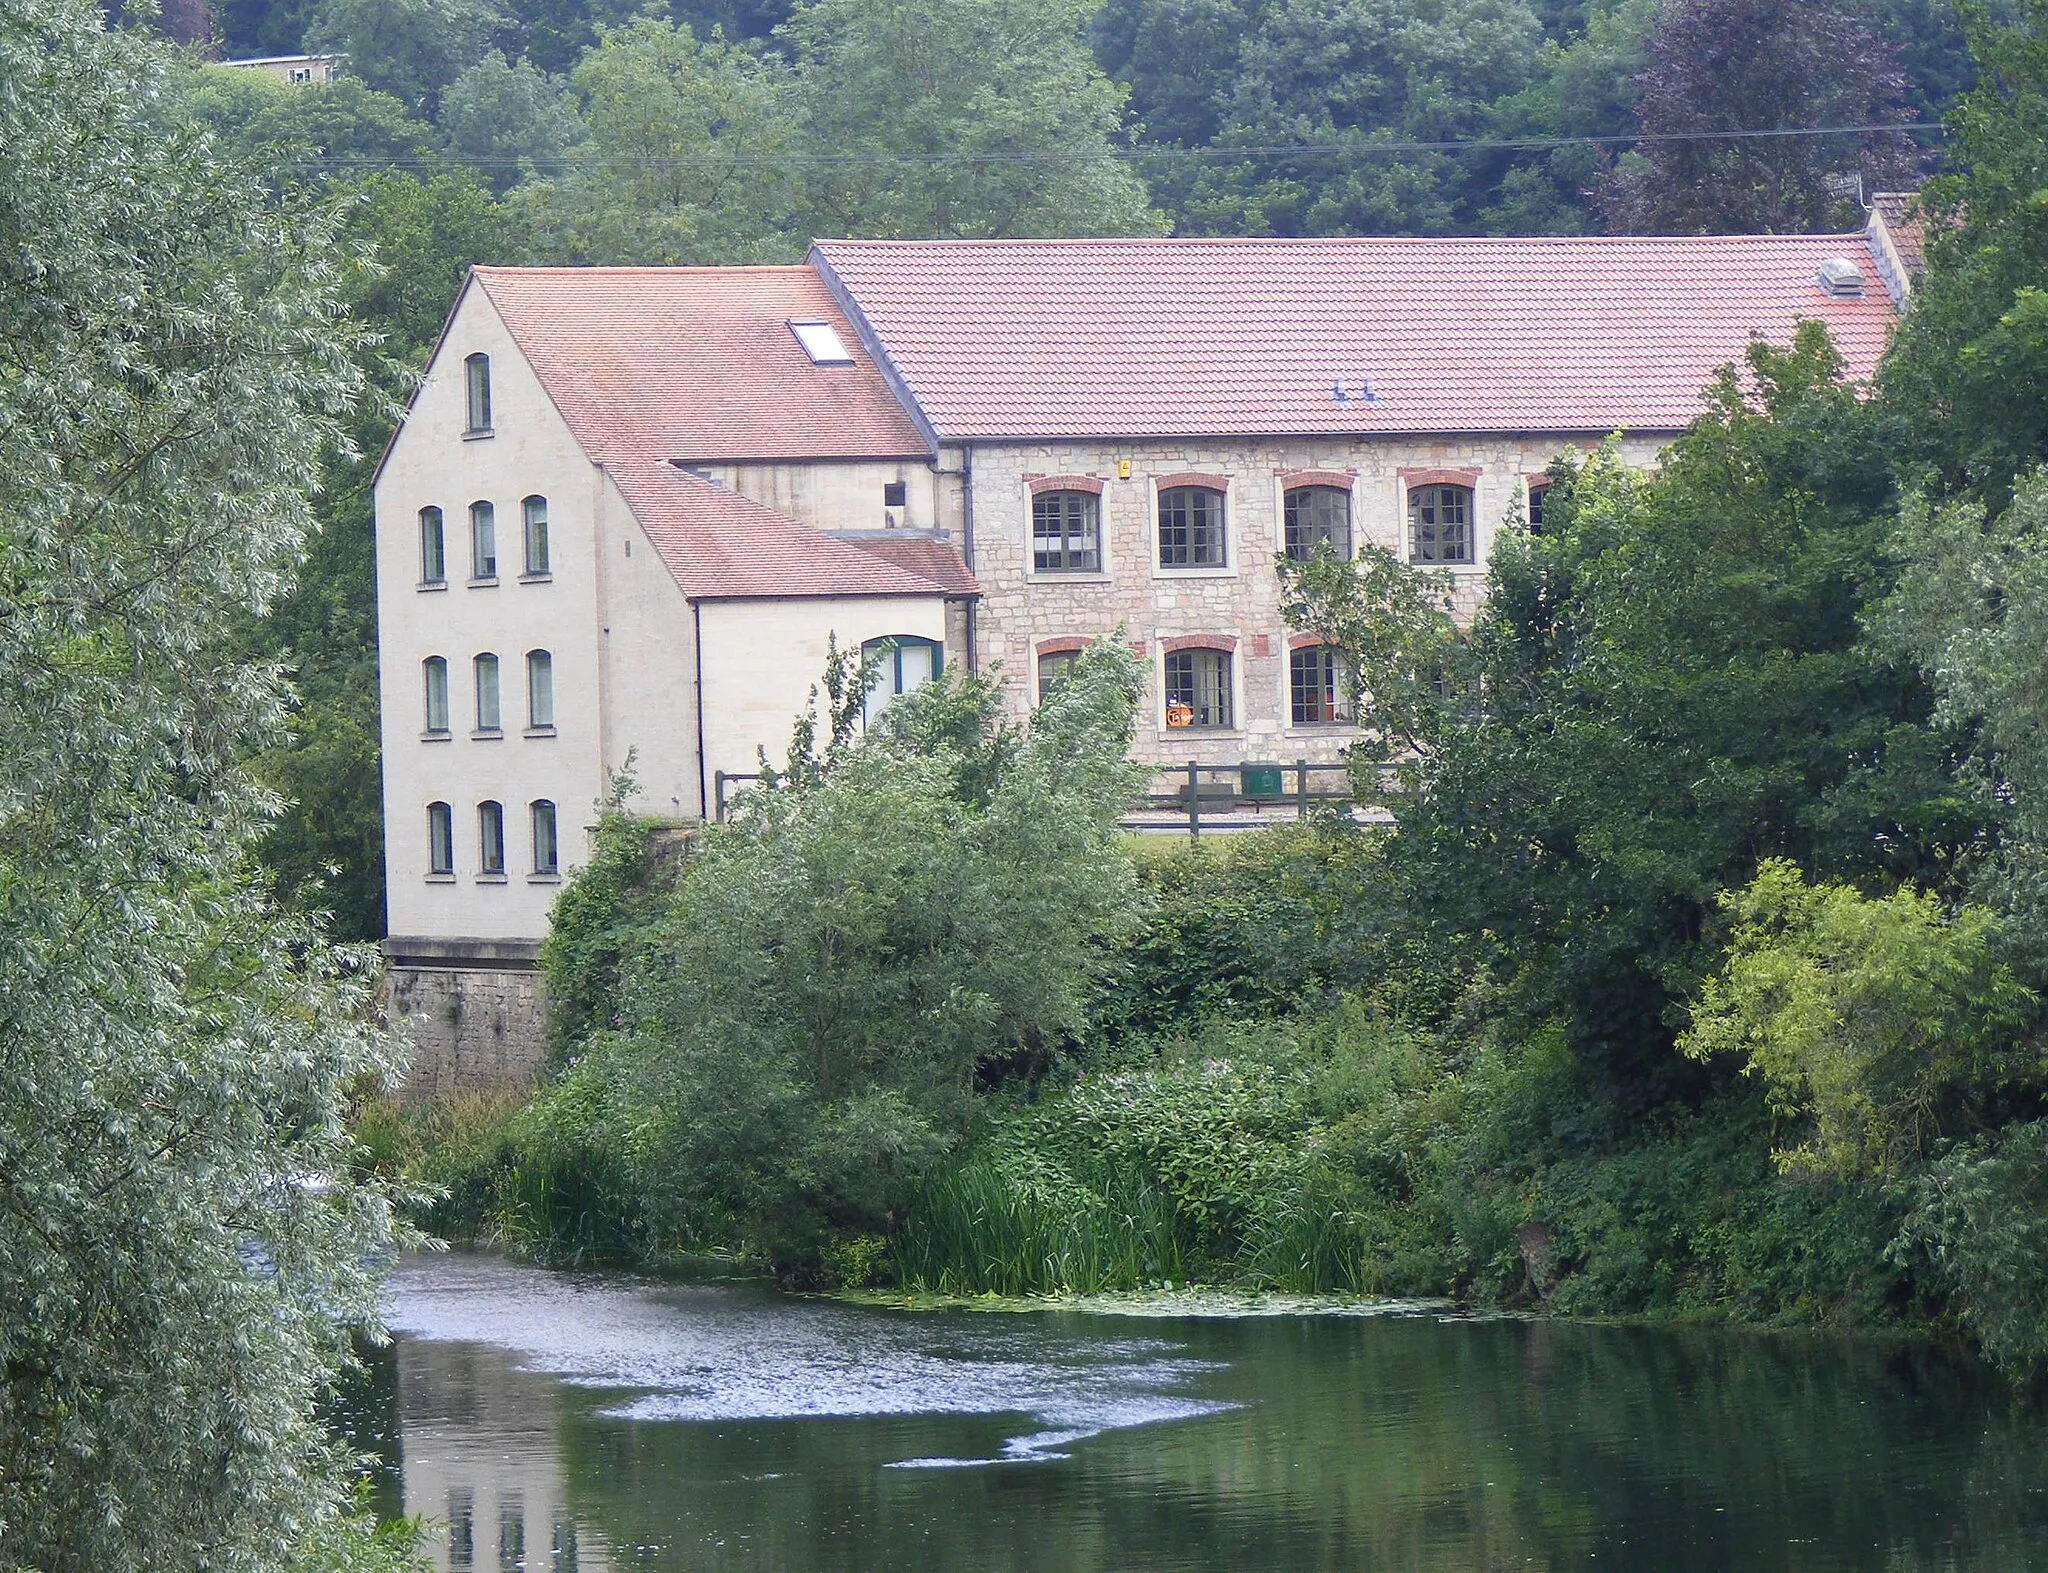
point(1065, 532)
point(1197, 688)
point(1315, 514)
point(1316, 692)
point(1191, 528)
point(1053, 668)
point(1440, 524)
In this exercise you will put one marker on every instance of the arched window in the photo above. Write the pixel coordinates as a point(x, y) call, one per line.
point(440, 839)
point(535, 513)
point(1053, 667)
point(1316, 515)
point(490, 838)
point(487, 711)
point(434, 671)
point(483, 541)
point(1066, 535)
point(1191, 533)
point(547, 852)
point(477, 384)
point(433, 548)
point(1538, 491)
point(540, 689)
point(1318, 686)
point(1198, 688)
point(1440, 524)
point(906, 662)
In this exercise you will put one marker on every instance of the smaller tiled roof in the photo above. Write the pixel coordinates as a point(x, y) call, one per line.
point(1904, 226)
point(1049, 339)
point(924, 555)
point(698, 364)
point(720, 546)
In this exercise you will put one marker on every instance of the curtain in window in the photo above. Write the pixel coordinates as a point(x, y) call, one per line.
point(483, 541)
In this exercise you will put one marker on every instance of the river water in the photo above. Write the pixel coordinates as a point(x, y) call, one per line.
point(580, 1422)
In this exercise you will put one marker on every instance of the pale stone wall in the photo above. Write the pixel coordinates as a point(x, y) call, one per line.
point(762, 658)
point(432, 462)
point(1021, 610)
point(647, 697)
point(837, 494)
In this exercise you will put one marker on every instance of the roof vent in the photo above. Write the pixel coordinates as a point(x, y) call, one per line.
point(1841, 278)
point(821, 341)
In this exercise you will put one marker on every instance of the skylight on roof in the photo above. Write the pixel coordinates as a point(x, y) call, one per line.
point(821, 341)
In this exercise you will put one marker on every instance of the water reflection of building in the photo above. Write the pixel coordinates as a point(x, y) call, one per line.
point(482, 1465)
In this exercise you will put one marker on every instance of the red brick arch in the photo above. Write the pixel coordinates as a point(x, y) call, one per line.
point(1223, 642)
point(1064, 483)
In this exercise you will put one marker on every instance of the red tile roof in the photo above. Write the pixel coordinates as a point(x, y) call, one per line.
point(719, 545)
point(697, 363)
point(1093, 338)
point(924, 555)
point(1903, 221)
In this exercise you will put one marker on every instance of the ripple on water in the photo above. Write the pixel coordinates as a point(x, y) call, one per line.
point(689, 1353)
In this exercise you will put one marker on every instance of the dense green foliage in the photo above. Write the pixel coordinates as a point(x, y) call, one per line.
point(182, 1248)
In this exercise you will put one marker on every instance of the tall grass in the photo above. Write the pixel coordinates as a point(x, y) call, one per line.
point(975, 1231)
point(497, 1169)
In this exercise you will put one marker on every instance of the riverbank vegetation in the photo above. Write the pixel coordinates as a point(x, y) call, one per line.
point(1698, 973)
point(184, 1252)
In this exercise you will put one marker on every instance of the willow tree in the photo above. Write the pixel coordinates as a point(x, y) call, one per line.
point(181, 1248)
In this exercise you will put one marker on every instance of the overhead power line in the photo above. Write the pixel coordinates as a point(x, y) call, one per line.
point(936, 159)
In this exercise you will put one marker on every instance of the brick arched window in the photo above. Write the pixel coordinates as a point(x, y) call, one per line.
point(1440, 523)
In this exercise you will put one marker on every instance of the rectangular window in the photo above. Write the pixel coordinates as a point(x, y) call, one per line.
point(540, 688)
point(1191, 528)
point(895, 494)
point(440, 839)
point(483, 541)
point(1318, 694)
point(477, 382)
point(490, 838)
point(1536, 496)
point(436, 672)
point(1440, 524)
point(1317, 516)
point(461, 1530)
point(535, 510)
point(433, 548)
point(547, 856)
point(1198, 688)
point(1066, 532)
point(487, 693)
